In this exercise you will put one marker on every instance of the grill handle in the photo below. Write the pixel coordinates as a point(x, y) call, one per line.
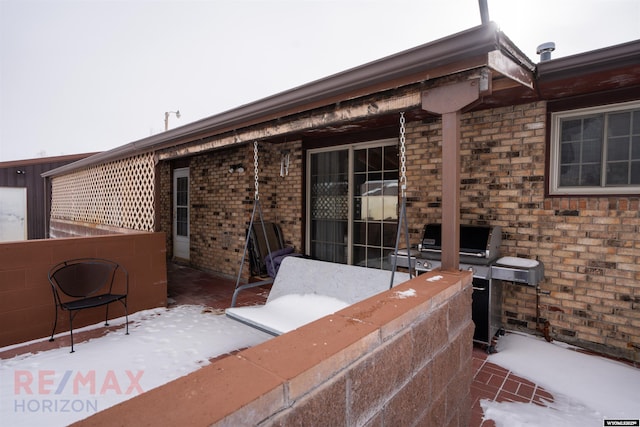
point(439, 251)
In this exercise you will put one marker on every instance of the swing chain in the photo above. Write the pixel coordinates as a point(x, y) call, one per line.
point(403, 156)
point(256, 195)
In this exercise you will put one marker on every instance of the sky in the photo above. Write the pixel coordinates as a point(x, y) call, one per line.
point(80, 76)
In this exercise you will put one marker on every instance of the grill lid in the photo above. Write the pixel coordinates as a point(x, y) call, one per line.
point(520, 270)
point(478, 241)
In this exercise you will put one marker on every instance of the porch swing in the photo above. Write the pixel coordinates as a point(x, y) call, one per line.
point(261, 243)
point(304, 289)
point(402, 217)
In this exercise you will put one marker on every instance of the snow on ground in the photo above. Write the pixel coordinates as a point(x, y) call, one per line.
point(587, 389)
point(287, 312)
point(55, 387)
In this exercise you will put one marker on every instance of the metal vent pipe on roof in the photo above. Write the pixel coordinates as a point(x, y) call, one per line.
point(544, 50)
point(484, 11)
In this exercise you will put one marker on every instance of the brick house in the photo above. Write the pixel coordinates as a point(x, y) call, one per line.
point(541, 153)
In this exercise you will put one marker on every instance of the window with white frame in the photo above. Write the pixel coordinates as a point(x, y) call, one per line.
point(596, 150)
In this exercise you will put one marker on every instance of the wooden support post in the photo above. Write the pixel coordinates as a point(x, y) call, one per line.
point(451, 190)
point(448, 101)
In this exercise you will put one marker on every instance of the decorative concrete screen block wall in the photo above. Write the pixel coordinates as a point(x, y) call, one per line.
point(115, 195)
point(402, 357)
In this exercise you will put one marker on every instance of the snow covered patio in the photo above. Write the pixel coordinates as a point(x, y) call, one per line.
point(529, 382)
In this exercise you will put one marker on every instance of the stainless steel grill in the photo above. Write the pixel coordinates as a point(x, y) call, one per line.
point(478, 244)
point(479, 248)
point(479, 252)
point(519, 270)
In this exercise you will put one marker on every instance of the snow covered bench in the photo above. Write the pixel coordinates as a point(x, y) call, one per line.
point(305, 290)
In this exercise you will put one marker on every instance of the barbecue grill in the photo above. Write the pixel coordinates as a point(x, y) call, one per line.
point(519, 270)
point(479, 252)
point(479, 249)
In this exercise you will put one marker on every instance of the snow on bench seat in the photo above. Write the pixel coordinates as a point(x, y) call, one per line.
point(306, 290)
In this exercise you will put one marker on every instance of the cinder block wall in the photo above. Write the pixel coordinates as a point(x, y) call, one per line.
point(589, 245)
point(26, 300)
point(402, 357)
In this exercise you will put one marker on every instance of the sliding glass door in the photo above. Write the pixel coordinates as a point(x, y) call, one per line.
point(353, 203)
point(329, 205)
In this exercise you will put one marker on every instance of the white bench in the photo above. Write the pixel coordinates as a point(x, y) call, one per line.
point(305, 290)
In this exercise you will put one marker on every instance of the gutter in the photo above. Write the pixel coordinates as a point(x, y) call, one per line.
point(593, 61)
point(374, 76)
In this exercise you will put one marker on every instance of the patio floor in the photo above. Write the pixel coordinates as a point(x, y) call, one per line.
point(495, 383)
point(189, 286)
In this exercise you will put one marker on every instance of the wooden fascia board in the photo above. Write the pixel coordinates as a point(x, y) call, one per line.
point(502, 64)
point(426, 75)
point(337, 117)
point(232, 135)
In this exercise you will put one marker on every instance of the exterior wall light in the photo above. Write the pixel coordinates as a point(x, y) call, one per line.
point(236, 168)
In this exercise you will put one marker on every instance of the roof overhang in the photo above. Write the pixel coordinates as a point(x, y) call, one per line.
point(591, 72)
point(480, 47)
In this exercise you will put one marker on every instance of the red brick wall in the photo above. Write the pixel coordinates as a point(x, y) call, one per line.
point(222, 202)
point(219, 201)
point(284, 193)
point(164, 210)
point(384, 361)
point(26, 301)
point(589, 246)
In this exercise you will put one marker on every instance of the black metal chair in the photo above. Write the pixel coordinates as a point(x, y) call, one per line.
point(86, 283)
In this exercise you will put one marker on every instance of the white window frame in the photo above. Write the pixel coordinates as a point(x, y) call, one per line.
point(554, 155)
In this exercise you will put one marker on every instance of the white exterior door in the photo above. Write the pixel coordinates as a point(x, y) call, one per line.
point(181, 213)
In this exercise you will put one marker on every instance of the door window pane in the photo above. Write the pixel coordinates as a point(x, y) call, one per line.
point(182, 191)
point(374, 159)
point(182, 222)
point(182, 206)
point(375, 205)
point(329, 205)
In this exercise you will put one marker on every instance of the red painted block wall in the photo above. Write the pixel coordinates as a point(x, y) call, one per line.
point(26, 300)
